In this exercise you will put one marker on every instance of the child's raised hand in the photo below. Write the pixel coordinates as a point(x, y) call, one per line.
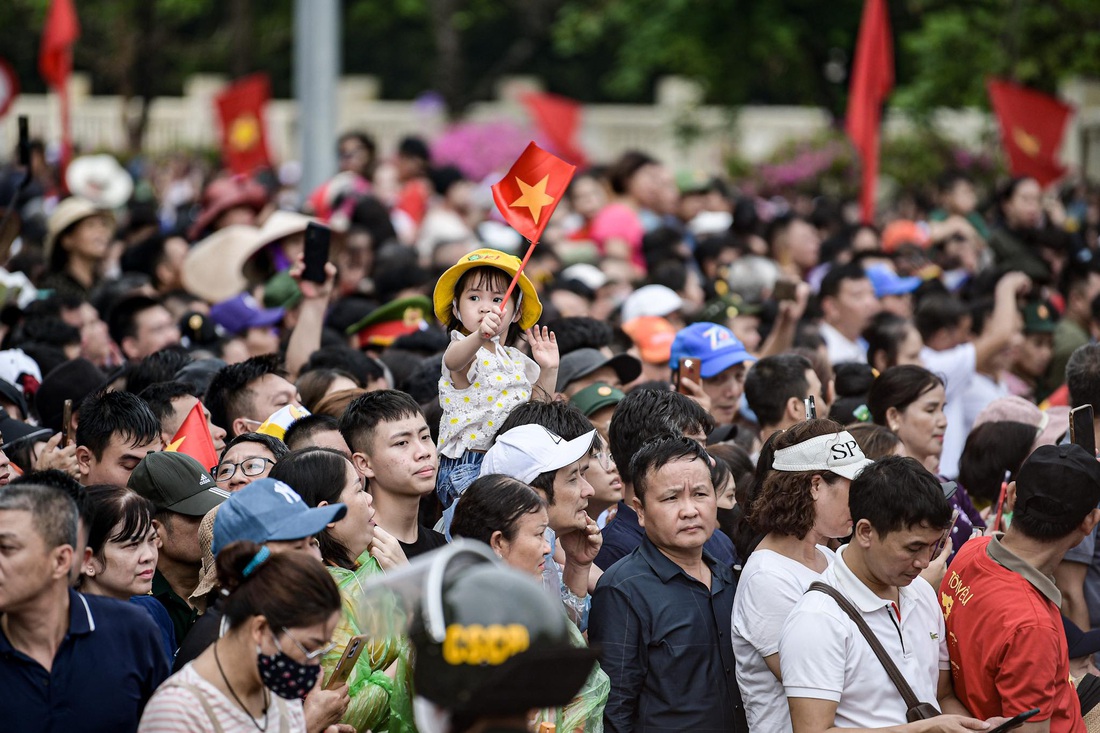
point(490, 325)
point(544, 347)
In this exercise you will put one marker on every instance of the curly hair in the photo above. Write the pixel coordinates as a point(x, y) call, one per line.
point(783, 503)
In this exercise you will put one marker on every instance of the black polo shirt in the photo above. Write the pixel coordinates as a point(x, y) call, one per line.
point(182, 613)
point(107, 667)
point(664, 641)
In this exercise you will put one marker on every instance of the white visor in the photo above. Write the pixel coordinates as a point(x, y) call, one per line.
point(836, 452)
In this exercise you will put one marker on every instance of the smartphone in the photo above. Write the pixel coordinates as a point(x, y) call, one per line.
point(318, 238)
point(688, 368)
point(938, 548)
point(342, 671)
point(66, 423)
point(811, 408)
point(1080, 428)
point(785, 290)
point(1016, 722)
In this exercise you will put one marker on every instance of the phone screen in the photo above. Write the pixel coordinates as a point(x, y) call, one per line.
point(315, 254)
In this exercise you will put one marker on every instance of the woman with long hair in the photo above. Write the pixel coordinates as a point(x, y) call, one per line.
point(354, 550)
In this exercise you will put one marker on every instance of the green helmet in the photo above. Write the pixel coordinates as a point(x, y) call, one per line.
point(489, 640)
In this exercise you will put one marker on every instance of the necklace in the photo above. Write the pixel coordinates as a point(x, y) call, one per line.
point(234, 694)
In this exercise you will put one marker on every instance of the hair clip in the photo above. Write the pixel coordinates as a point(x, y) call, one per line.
point(257, 560)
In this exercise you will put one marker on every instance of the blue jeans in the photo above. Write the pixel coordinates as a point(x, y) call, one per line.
point(455, 474)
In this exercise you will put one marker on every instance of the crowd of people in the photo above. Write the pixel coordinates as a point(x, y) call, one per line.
point(716, 463)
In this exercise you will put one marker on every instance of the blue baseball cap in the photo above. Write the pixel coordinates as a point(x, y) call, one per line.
point(888, 282)
point(268, 510)
point(716, 348)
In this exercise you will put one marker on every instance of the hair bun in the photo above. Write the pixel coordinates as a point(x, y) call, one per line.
point(234, 561)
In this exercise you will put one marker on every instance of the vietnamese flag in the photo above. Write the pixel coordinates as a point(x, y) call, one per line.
point(194, 439)
point(55, 58)
point(1032, 125)
point(557, 118)
point(527, 196)
point(872, 80)
point(241, 108)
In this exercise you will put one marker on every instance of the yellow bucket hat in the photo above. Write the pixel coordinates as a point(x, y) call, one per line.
point(530, 307)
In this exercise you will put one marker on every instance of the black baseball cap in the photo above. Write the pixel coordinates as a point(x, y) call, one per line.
point(1058, 482)
point(176, 482)
point(582, 362)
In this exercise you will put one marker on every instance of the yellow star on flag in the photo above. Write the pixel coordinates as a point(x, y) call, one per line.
point(534, 198)
point(174, 446)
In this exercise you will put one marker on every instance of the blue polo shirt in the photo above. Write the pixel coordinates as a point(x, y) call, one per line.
point(623, 534)
point(107, 667)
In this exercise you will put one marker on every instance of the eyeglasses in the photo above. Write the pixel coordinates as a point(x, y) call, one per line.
point(310, 656)
point(607, 461)
point(249, 467)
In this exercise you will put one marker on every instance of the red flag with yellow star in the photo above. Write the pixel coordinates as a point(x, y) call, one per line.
point(528, 195)
point(194, 439)
point(241, 110)
point(1032, 125)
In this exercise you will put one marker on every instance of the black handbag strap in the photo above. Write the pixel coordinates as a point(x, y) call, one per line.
point(892, 670)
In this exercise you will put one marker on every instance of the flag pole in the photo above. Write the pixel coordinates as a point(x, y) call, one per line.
point(512, 285)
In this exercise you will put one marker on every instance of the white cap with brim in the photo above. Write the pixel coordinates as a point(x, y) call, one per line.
point(835, 452)
point(526, 451)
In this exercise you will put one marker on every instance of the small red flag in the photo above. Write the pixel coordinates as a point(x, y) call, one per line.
point(557, 118)
point(241, 108)
point(872, 80)
point(1032, 125)
point(527, 196)
point(55, 58)
point(194, 439)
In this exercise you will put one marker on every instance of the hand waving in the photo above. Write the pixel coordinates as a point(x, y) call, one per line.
point(544, 347)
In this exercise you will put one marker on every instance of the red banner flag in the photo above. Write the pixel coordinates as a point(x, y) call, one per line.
point(1032, 125)
point(241, 110)
point(527, 196)
point(55, 58)
point(872, 80)
point(194, 439)
point(558, 119)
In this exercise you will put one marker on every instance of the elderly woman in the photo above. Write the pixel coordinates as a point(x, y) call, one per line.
point(800, 506)
point(511, 518)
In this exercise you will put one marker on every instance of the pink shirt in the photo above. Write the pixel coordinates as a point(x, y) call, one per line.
point(619, 221)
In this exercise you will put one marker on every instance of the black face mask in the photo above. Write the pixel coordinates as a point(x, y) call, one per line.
point(726, 519)
point(285, 677)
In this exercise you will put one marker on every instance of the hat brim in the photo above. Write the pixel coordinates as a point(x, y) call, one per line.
point(307, 523)
point(627, 368)
point(569, 452)
point(197, 505)
point(212, 269)
point(900, 286)
point(444, 295)
point(15, 437)
point(719, 363)
point(852, 469)
point(266, 317)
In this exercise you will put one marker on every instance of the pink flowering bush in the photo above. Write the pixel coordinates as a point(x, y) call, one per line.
point(479, 149)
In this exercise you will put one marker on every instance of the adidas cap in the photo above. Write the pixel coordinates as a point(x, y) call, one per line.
point(176, 482)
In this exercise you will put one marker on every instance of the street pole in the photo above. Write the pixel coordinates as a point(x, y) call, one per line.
point(316, 69)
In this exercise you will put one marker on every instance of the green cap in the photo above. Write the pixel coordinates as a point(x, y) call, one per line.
point(726, 307)
point(282, 292)
point(397, 318)
point(595, 397)
point(1039, 318)
point(176, 482)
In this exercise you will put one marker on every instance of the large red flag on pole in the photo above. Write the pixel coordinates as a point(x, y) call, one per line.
point(242, 109)
point(527, 196)
point(55, 62)
point(872, 80)
point(1032, 125)
point(557, 118)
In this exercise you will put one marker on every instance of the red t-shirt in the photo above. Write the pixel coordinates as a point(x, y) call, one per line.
point(1006, 641)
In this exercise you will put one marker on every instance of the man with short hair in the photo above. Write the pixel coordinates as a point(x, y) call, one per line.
point(115, 432)
point(241, 396)
point(723, 363)
point(847, 303)
point(1080, 286)
point(171, 403)
point(670, 670)
point(316, 431)
point(831, 675)
point(776, 390)
point(642, 416)
point(141, 325)
point(182, 492)
point(67, 661)
point(1005, 633)
point(393, 449)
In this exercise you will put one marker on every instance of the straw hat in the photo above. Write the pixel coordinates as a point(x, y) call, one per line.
point(209, 578)
point(70, 211)
point(100, 179)
point(212, 269)
point(282, 224)
point(530, 308)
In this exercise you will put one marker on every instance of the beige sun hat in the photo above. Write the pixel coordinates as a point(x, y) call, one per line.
point(282, 224)
point(213, 268)
point(69, 212)
point(209, 578)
